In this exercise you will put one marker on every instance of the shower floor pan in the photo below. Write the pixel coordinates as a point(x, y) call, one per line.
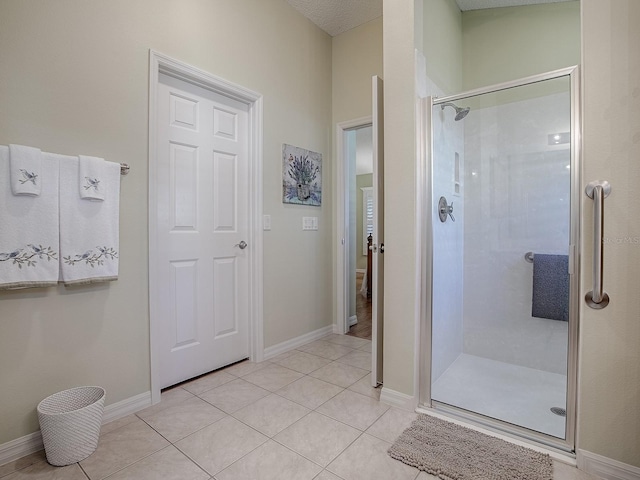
point(511, 393)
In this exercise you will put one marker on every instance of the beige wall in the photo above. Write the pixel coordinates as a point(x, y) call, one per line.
point(357, 56)
point(609, 416)
point(502, 44)
point(442, 43)
point(400, 194)
point(74, 79)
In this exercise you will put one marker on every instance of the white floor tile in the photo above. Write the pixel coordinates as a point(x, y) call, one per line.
point(273, 377)
point(304, 362)
point(121, 422)
point(245, 367)
point(167, 464)
point(310, 392)
point(270, 415)
point(183, 419)
point(353, 409)
point(274, 432)
point(207, 382)
point(217, 446)
point(340, 374)
point(23, 462)
point(357, 358)
point(325, 349)
point(367, 459)
point(44, 471)
point(271, 461)
point(326, 475)
point(234, 395)
point(363, 386)
point(168, 398)
point(318, 438)
point(391, 424)
point(122, 447)
point(346, 340)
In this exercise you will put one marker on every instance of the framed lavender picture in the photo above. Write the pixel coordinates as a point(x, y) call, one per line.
point(301, 176)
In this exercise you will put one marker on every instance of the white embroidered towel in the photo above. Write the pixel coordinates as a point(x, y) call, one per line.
point(29, 235)
point(92, 178)
point(89, 231)
point(26, 170)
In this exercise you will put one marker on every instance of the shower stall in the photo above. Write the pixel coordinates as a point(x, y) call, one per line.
point(500, 318)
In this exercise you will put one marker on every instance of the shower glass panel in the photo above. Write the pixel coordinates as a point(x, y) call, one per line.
point(501, 283)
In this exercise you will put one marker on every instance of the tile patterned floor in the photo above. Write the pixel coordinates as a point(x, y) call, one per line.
point(306, 414)
point(364, 310)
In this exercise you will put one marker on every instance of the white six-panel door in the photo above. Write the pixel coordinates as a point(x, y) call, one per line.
point(202, 227)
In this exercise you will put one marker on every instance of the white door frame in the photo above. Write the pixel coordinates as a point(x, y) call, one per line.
point(159, 63)
point(341, 324)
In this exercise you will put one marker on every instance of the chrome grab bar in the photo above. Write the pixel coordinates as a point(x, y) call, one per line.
point(598, 190)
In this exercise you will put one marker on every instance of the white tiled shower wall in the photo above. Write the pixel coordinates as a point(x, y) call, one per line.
point(516, 195)
point(448, 249)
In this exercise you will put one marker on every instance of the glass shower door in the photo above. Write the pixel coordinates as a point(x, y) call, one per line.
point(502, 171)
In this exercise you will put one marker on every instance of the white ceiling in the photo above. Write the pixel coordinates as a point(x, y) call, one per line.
point(338, 16)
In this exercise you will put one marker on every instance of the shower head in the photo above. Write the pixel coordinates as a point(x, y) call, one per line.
point(461, 112)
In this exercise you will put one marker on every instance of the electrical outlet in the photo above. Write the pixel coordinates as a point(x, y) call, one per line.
point(266, 222)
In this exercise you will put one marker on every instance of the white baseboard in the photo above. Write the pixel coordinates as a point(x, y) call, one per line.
point(126, 407)
point(398, 399)
point(20, 447)
point(605, 467)
point(353, 319)
point(31, 443)
point(279, 348)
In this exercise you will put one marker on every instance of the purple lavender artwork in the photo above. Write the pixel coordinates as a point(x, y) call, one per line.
point(301, 176)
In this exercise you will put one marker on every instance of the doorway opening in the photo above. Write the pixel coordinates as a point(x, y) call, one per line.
point(359, 186)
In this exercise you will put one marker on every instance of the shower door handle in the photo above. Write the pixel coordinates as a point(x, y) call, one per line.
point(598, 190)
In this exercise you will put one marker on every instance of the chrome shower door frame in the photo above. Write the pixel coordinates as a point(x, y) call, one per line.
point(425, 152)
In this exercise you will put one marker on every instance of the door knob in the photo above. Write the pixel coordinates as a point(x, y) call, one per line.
point(242, 245)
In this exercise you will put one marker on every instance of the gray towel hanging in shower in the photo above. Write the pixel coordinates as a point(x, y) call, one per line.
point(550, 297)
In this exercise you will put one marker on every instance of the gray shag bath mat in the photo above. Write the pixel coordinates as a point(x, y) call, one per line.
point(453, 452)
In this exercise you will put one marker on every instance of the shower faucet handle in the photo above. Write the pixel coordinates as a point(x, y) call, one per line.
point(450, 212)
point(445, 209)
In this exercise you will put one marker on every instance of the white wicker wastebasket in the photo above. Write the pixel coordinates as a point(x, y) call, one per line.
point(70, 424)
